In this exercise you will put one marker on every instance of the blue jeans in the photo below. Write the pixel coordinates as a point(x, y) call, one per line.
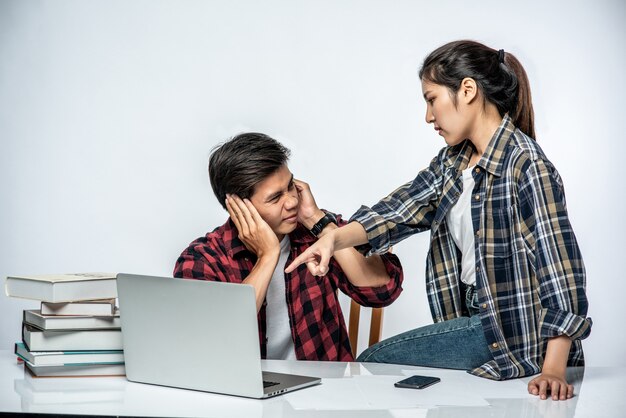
point(454, 344)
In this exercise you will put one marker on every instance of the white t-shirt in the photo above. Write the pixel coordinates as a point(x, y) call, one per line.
point(279, 342)
point(459, 220)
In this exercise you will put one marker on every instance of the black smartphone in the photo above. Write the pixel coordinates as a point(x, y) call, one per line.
point(417, 382)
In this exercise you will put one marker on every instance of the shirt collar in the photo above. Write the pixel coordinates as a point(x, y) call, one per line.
point(492, 161)
point(458, 156)
point(495, 154)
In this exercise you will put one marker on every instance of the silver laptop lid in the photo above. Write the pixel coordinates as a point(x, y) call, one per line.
point(175, 333)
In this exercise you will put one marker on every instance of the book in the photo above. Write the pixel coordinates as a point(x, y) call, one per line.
point(62, 287)
point(60, 358)
point(98, 307)
point(76, 322)
point(77, 370)
point(74, 340)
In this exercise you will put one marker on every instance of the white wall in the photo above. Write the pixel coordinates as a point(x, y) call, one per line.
point(108, 111)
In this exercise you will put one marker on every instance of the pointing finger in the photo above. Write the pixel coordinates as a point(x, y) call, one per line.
point(301, 259)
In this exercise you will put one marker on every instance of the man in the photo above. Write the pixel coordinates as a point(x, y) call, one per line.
point(273, 219)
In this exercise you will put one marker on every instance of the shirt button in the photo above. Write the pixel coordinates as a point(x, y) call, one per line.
point(477, 170)
point(494, 345)
point(477, 269)
point(478, 233)
point(477, 197)
point(484, 305)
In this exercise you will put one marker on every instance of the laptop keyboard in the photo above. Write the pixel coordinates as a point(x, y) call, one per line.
point(267, 384)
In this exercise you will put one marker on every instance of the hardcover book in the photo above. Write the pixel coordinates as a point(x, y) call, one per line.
point(74, 340)
point(100, 307)
point(65, 358)
point(82, 370)
point(76, 322)
point(62, 287)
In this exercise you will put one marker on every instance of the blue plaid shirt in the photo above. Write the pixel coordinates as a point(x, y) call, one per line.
point(530, 276)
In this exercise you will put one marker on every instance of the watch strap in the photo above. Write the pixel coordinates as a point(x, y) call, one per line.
point(322, 223)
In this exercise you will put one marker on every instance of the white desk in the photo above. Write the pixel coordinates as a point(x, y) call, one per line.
point(347, 390)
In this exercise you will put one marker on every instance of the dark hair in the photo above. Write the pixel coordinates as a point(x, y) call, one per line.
point(239, 164)
point(499, 75)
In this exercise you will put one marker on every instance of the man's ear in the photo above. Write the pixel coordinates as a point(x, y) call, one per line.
point(468, 92)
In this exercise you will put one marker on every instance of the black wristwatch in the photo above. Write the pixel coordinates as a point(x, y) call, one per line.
point(321, 224)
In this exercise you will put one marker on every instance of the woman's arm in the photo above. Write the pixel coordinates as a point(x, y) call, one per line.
point(318, 255)
point(361, 271)
point(560, 274)
point(406, 211)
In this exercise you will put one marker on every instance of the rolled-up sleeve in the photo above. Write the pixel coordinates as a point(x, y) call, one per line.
point(376, 297)
point(558, 263)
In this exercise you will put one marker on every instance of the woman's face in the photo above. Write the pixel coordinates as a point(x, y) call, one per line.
point(450, 121)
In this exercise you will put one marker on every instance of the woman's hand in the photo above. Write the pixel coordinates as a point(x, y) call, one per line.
point(554, 384)
point(254, 232)
point(317, 256)
point(552, 377)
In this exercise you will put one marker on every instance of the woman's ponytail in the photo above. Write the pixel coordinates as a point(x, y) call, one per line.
point(523, 115)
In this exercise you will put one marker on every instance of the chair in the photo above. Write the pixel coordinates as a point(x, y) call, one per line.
point(376, 325)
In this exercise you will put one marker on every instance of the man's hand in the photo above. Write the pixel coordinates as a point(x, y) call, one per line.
point(556, 385)
point(308, 212)
point(254, 232)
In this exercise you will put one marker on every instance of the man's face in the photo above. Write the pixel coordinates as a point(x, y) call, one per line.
point(276, 200)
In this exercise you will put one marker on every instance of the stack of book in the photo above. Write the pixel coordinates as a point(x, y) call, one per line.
point(76, 331)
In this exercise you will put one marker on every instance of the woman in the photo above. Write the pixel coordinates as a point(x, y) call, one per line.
point(505, 278)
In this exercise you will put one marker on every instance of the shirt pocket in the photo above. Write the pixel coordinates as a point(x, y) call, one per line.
point(499, 234)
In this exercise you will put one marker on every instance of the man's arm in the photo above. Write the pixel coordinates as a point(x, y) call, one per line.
point(361, 271)
point(259, 238)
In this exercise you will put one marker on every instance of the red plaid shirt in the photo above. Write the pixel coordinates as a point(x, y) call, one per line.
point(317, 325)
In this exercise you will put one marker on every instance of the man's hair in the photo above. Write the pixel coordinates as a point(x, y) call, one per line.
point(239, 164)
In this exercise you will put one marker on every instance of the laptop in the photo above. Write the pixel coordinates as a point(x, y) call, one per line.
point(196, 334)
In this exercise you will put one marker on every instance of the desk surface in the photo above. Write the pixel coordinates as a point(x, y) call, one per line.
point(347, 390)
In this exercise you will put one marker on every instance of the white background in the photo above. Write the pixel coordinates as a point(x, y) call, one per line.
point(109, 109)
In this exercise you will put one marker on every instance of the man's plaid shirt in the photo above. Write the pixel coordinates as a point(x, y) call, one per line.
point(530, 275)
point(317, 325)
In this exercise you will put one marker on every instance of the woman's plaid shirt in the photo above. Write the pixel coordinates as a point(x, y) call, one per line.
point(317, 325)
point(530, 275)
